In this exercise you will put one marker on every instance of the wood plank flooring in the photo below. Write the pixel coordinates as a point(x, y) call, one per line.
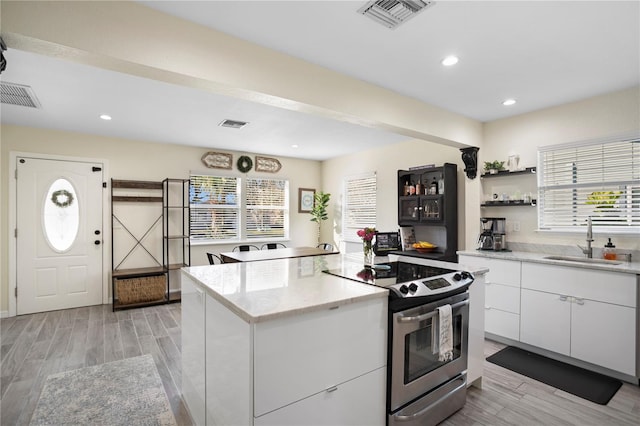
point(34, 346)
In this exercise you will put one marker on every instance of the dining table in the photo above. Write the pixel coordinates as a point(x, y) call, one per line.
point(280, 253)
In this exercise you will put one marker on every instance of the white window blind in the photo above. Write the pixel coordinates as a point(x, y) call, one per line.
point(600, 179)
point(225, 208)
point(359, 209)
point(267, 208)
point(215, 207)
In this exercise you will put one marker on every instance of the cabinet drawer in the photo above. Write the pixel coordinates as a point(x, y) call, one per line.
point(503, 297)
point(359, 401)
point(505, 272)
point(502, 323)
point(603, 286)
point(301, 356)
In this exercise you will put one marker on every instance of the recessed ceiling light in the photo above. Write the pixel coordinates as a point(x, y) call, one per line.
point(509, 102)
point(294, 146)
point(450, 60)
point(105, 117)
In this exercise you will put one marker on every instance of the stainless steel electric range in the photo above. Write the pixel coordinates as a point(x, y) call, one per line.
point(421, 389)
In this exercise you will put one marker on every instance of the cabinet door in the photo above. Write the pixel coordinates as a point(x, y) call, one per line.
point(193, 347)
point(408, 209)
point(431, 209)
point(359, 401)
point(604, 334)
point(296, 357)
point(545, 320)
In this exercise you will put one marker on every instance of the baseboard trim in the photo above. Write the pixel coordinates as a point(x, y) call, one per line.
point(4, 314)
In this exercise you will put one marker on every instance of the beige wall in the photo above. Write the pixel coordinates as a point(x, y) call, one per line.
point(600, 116)
point(385, 162)
point(128, 159)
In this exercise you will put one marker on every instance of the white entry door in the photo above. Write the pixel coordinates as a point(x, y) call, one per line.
point(59, 234)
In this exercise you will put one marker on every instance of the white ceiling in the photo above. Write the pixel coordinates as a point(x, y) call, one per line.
point(541, 53)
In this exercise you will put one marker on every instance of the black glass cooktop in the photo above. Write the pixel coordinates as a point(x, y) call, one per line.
point(386, 274)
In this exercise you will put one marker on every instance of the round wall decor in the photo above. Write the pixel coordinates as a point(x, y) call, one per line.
point(244, 164)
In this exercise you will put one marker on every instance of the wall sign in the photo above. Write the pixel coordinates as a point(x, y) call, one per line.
point(217, 160)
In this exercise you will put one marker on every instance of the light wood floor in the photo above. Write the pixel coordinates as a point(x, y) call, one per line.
point(34, 346)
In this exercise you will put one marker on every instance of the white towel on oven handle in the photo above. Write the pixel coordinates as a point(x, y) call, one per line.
point(445, 333)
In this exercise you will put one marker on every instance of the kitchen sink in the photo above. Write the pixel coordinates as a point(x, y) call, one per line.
point(583, 260)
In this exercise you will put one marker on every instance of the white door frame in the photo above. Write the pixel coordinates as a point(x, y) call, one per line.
point(106, 214)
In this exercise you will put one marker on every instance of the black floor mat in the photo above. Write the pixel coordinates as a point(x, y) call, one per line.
point(586, 384)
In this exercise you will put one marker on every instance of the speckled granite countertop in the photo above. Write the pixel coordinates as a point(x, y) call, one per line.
point(617, 266)
point(260, 291)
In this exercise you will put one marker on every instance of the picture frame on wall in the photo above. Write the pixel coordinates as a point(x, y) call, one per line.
point(306, 197)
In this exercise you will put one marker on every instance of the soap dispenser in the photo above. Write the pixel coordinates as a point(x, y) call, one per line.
point(609, 252)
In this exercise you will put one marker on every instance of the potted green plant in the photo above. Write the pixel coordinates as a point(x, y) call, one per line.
point(319, 211)
point(493, 167)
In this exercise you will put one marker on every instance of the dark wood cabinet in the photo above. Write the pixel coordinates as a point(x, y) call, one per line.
point(427, 201)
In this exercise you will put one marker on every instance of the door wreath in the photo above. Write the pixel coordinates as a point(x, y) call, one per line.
point(244, 164)
point(62, 198)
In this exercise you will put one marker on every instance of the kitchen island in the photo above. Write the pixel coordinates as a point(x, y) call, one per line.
point(281, 342)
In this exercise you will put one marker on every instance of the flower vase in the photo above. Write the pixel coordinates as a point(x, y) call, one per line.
point(368, 253)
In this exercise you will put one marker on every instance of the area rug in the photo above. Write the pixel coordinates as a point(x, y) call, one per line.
point(125, 392)
point(586, 384)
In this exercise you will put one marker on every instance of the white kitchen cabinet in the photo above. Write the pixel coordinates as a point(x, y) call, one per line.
point(296, 357)
point(603, 334)
point(193, 350)
point(546, 321)
point(586, 314)
point(360, 401)
point(502, 295)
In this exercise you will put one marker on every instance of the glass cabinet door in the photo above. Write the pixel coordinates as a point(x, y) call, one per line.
point(409, 209)
point(432, 209)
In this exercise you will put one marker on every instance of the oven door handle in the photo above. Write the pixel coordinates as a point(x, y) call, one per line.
point(431, 314)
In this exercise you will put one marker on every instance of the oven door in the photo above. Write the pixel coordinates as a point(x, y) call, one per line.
point(415, 368)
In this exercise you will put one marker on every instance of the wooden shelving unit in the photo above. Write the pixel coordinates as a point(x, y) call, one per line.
point(145, 285)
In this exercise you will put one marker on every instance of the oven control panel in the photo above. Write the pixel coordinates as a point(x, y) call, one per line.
point(433, 285)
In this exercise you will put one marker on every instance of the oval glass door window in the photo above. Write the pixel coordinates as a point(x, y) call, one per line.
point(61, 215)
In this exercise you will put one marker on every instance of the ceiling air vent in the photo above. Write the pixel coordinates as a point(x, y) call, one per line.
point(234, 124)
point(392, 13)
point(17, 94)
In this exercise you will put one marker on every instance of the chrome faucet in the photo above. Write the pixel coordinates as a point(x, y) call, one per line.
point(588, 250)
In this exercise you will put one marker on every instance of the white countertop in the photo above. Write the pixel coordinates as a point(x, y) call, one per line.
point(260, 291)
point(625, 267)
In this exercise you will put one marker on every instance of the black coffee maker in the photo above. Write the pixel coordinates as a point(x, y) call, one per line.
point(492, 234)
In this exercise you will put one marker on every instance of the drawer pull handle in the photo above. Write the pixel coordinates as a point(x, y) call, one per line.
point(579, 300)
point(333, 308)
point(332, 389)
point(563, 298)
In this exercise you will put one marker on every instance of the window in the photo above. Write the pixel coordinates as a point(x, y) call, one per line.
point(267, 210)
point(231, 209)
point(600, 179)
point(359, 209)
